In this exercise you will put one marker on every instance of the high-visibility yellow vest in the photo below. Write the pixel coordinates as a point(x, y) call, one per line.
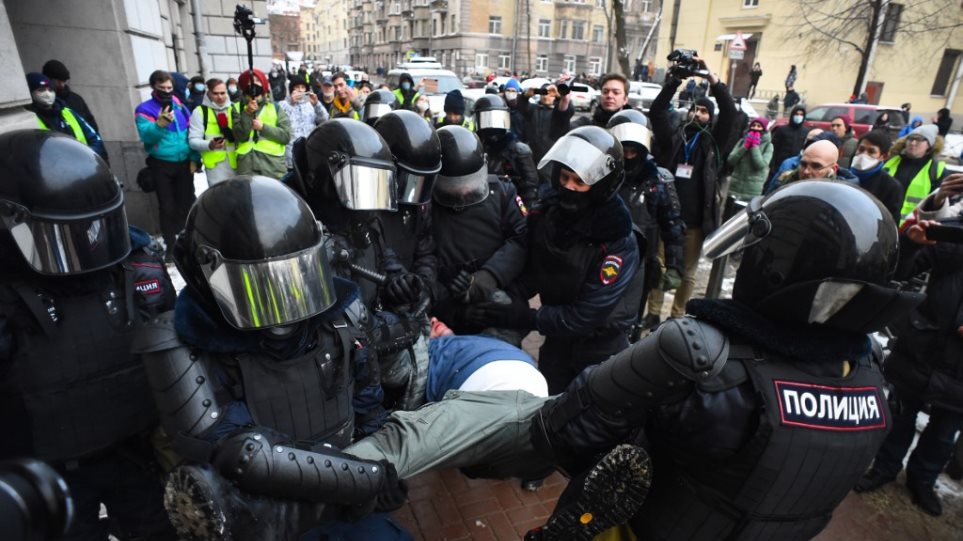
point(71, 121)
point(919, 187)
point(269, 116)
point(466, 122)
point(213, 157)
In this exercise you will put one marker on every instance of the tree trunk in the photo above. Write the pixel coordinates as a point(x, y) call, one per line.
point(618, 9)
point(875, 26)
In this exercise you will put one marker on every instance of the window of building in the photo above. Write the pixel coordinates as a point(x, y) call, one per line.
point(646, 6)
point(597, 32)
point(595, 66)
point(578, 30)
point(452, 26)
point(481, 60)
point(494, 25)
point(563, 30)
point(887, 34)
point(434, 27)
point(541, 63)
point(505, 61)
point(945, 72)
point(568, 63)
point(544, 28)
point(601, 4)
point(396, 8)
point(397, 33)
point(750, 3)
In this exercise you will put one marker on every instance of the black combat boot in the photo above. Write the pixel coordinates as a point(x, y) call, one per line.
point(873, 480)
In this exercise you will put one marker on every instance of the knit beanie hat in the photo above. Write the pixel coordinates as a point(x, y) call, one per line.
point(36, 80)
point(244, 81)
point(707, 103)
point(846, 120)
point(928, 132)
point(295, 81)
point(512, 84)
point(455, 103)
point(761, 120)
point(56, 69)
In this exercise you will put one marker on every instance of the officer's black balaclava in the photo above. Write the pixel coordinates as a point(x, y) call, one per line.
point(633, 166)
point(570, 201)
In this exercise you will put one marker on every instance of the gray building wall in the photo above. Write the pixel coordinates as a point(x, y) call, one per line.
point(111, 47)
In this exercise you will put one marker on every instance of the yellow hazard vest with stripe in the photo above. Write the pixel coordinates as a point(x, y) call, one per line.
point(466, 122)
point(71, 121)
point(919, 187)
point(269, 116)
point(213, 157)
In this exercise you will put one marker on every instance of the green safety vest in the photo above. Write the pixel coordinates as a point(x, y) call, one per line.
point(466, 123)
point(213, 157)
point(71, 121)
point(919, 187)
point(269, 116)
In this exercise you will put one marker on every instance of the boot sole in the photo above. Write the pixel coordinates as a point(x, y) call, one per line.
point(193, 507)
point(612, 493)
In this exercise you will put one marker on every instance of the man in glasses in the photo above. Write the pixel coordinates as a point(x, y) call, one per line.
point(914, 165)
point(818, 161)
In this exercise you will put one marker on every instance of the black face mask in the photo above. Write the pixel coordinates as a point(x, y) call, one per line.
point(573, 202)
point(163, 96)
point(633, 166)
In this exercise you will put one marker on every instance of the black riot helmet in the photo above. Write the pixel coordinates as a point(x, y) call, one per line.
point(463, 179)
point(816, 251)
point(379, 103)
point(593, 154)
point(347, 161)
point(253, 248)
point(631, 127)
point(492, 117)
point(59, 204)
point(417, 153)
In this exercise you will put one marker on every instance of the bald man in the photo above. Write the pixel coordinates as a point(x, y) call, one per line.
point(818, 160)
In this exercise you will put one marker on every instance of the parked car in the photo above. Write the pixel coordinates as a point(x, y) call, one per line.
point(584, 97)
point(863, 115)
point(642, 94)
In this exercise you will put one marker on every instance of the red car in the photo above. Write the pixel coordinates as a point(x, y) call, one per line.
point(863, 116)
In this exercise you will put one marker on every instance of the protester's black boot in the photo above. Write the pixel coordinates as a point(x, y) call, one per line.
point(611, 493)
point(925, 498)
point(873, 480)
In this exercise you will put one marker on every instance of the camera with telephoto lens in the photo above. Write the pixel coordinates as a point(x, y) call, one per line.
point(563, 89)
point(35, 503)
point(685, 64)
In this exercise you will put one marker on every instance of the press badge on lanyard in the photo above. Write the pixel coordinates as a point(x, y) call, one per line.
point(684, 170)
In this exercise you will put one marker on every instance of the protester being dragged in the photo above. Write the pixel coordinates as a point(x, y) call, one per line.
point(304, 111)
point(53, 115)
point(749, 161)
point(261, 129)
point(211, 135)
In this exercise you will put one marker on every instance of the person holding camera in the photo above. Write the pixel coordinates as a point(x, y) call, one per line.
point(615, 97)
point(162, 124)
point(261, 129)
point(545, 121)
point(694, 153)
point(210, 133)
point(304, 110)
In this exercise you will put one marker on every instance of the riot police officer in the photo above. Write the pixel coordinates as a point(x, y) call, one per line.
point(583, 261)
point(649, 191)
point(75, 284)
point(479, 225)
point(378, 103)
point(261, 373)
point(761, 412)
point(507, 156)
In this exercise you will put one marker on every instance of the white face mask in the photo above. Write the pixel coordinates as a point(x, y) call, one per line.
point(863, 162)
point(232, 89)
point(44, 96)
point(511, 95)
point(422, 106)
point(797, 119)
point(328, 95)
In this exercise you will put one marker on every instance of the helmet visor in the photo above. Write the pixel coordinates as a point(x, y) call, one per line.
point(582, 157)
point(366, 187)
point(374, 111)
point(494, 119)
point(270, 293)
point(414, 189)
point(462, 191)
point(56, 246)
point(630, 132)
point(747, 227)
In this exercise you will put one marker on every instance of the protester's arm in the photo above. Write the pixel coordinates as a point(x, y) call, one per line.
point(722, 130)
point(195, 133)
point(659, 112)
point(242, 123)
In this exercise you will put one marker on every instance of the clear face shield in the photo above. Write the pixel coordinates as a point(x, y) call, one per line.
point(582, 157)
point(55, 246)
point(496, 119)
point(374, 111)
point(366, 185)
point(414, 188)
point(747, 227)
point(630, 132)
point(463, 191)
point(273, 292)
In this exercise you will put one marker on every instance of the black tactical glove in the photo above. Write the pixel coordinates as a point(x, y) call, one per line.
point(517, 315)
point(474, 287)
point(403, 288)
point(459, 286)
point(393, 492)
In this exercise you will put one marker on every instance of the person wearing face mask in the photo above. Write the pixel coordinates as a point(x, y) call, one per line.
point(583, 261)
point(406, 93)
point(507, 156)
point(262, 130)
point(305, 112)
point(211, 135)
point(277, 79)
point(59, 76)
point(232, 91)
point(749, 161)
point(545, 122)
point(871, 151)
point(423, 108)
point(53, 115)
point(325, 88)
point(788, 139)
point(914, 165)
point(196, 92)
point(162, 124)
point(512, 92)
point(649, 191)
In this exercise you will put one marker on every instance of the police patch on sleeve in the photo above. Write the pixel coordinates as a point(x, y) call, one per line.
point(611, 267)
point(521, 205)
point(830, 408)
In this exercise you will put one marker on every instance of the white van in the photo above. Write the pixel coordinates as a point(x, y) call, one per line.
point(435, 83)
